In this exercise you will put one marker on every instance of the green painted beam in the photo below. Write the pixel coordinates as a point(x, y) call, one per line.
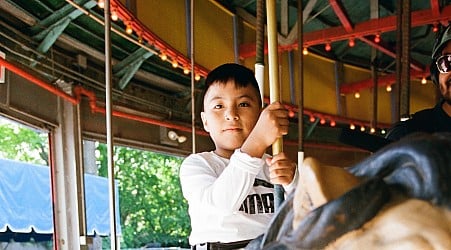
point(311, 128)
point(127, 68)
point(57, 15)
point(57, 23)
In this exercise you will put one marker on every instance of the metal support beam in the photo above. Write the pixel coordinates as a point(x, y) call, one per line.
point(404, 95)
point(114, 243)
point(341, 14)
point(414, 65)
point(311, 128)
point(308, 10)
point(52, 34)
point(382, 82)
point(367, 28)
point(435, 7)
point(284, 16)
point(339, 77)
point(374, 14)
point(128, 67)
point(57, 23)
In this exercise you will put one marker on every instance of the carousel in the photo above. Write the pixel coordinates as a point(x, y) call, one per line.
point(131, 73)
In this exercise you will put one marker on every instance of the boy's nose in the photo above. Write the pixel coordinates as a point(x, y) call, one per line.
point(231, 115)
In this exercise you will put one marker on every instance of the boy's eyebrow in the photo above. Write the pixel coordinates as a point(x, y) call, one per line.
point(247, 96)
point(218, 97)
point(213, 98)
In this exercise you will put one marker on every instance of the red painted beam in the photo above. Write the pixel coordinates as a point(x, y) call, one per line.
point(435, 8)
point(378, 46)
point(382, 82)
point(414, 65)
point(341, 14)
point(370, 27)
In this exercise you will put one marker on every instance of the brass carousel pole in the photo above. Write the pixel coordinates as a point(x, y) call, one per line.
point(274, 93)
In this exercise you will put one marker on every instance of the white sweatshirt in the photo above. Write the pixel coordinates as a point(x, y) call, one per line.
point(229, 200)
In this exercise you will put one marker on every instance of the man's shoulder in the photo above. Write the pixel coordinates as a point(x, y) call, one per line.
point(419, 121)
point(423, 116)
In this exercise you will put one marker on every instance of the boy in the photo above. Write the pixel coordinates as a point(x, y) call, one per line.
point(230, 190)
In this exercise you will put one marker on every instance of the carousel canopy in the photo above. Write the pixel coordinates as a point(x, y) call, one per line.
point(26, 209)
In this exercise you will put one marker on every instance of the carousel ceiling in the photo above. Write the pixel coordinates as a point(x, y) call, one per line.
point(63, 41)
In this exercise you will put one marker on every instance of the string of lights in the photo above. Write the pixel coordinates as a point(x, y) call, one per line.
point(144, 36)
point(134, 28)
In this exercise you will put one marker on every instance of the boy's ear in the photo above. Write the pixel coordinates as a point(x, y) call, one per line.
point(204, 121)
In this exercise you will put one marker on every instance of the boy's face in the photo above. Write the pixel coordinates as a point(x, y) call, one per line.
point(229, 115)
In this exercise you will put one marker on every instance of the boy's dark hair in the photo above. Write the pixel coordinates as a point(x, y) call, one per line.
point(231, 71)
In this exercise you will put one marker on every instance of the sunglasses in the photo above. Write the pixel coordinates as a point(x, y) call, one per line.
point(444, 63)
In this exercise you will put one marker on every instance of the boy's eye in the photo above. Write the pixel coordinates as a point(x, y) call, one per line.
point(244, 104)
point(217, 106)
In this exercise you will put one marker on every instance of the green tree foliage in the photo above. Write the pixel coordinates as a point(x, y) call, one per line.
point(152, 208)
point(23, 144)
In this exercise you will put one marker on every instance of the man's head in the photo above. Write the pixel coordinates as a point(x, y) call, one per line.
point(441, 63)
point(231, 106)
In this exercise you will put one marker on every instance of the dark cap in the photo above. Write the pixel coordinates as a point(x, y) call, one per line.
point(441, 41)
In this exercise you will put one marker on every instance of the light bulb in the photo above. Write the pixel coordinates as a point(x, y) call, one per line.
point(186, 71)
point(327, 47)
point(372, 130)
point(388, 88)
point(435, 28)
point(312, 118)
point(322, 121)
point(114, 16)
point(332, 123)
point(352, 126)
point(163, 56)
point(423, 80)
point(175, 64)
point(101, 4)
point(305, 51)
point(128, 29)
point(362, 128)
point(197, 77)
point(377, 38)
point(351, 42)
point(357, 95)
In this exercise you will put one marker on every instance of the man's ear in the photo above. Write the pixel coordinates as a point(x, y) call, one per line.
point(204, 121)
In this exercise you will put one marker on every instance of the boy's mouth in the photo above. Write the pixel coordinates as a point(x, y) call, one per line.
point(232, 129)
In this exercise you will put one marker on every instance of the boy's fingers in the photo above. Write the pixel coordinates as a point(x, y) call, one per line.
point(269, 161)
point(279, 156)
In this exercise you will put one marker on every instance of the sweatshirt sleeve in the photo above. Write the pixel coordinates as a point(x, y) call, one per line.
point(292, 186)
point(204, 184)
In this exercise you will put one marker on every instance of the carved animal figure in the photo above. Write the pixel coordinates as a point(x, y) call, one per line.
point(398, 198)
